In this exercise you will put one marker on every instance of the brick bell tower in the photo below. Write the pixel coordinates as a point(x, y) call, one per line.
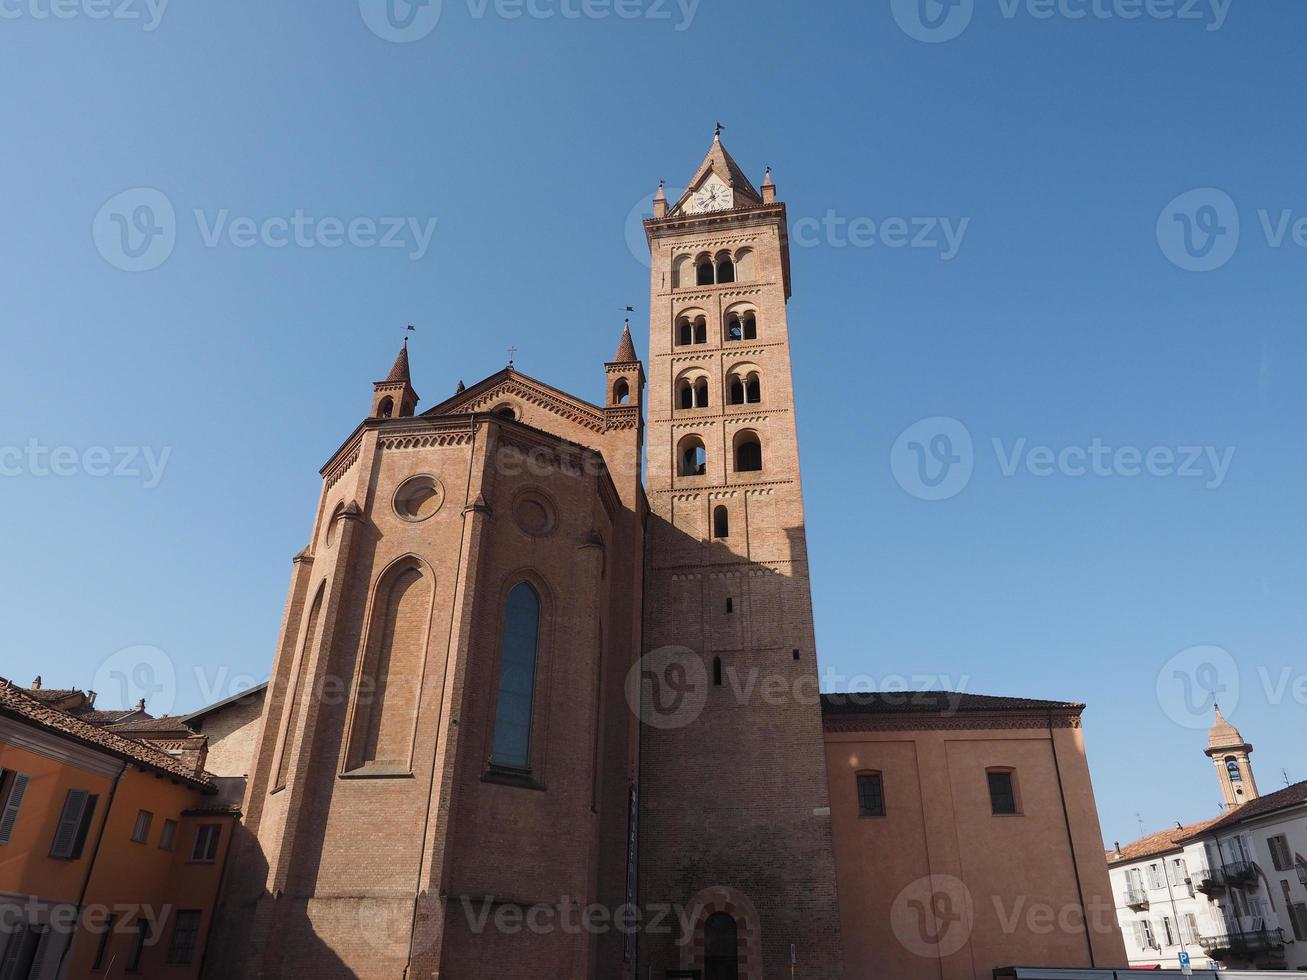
point(734, 808)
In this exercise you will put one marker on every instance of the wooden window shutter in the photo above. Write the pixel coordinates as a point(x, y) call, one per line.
point(10, 815)
point(70, 822)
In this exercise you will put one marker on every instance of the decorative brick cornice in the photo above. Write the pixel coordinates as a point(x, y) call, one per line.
point(522, 388)
point(947, 722)
point(344, 464)
point(748, 487)
point(622, 417)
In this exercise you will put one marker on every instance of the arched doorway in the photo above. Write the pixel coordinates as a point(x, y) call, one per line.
point(721, 948)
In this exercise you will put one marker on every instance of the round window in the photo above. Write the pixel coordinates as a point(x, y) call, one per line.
point(419, 498)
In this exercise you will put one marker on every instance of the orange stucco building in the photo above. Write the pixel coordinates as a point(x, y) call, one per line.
point(111, 851)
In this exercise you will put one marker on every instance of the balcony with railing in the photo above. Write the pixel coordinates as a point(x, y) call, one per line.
point(1209, 881)
point(1239, 873)
point(1136, 897)
point(1235, 943)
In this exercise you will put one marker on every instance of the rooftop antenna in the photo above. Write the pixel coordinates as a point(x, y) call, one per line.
point(1140, 818)
point(1285, 774)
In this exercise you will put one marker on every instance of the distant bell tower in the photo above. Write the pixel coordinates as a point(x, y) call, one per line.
point(1234, 769)
point(734, 808)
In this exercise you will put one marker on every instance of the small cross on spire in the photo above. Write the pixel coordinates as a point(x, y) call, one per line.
point(512, 355)
point(717, 133)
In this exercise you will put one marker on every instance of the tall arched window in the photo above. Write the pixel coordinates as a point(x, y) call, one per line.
point(704, 272)
point(517, 675)
point(386, 409)
point(748, 453)
point(750, 326)
point(721, 947)
point(298, 695)
point(694, 458)
point(725, 268)
point(1232, 767)
point(700, 330)
point(621, 392)
point(737, 390)
point(721, 523)
point(386, 695)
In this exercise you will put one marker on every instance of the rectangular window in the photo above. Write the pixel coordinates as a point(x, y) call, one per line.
point(1168, 931)
point(1155, 876)
point(12, 787)
point(167, 834)
point(1189, 929)
point(206, 842)
point(185, 930)
point(1299, 917)
point(22, 951)
point(102, 947)
point(138, 946)
point(74, 824)
point(1280, 855)
point(1149, 941)
point(1002, 793)
point(871, 795)
point(141, 832)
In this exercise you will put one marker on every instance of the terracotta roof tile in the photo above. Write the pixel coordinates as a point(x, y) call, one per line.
point(625, 348)
point(1295, 795)
point(18, 703)
point(1159, 843)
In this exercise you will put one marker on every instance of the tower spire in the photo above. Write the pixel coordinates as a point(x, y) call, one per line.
point(393, 396)
point(1231, 754)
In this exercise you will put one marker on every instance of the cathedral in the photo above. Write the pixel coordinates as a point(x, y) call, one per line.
point(545, 699)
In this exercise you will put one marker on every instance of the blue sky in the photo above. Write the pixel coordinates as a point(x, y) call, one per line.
point(1062, 319)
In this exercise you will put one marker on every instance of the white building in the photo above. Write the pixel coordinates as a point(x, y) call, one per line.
point(1230, 891)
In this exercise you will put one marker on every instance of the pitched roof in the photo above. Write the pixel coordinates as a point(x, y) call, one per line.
point(625, 348)
point(1158, 843)
point(257, 691)
point(17, 703)
point(933, 702)
point(721, 163)
point(1290, 796)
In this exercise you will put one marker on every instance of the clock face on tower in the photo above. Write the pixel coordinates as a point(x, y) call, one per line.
point(713, 195)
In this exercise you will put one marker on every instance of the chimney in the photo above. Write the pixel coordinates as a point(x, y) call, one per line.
point(90, 699)
point(140, 705)
point(36, 684)
point(1118, 848)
